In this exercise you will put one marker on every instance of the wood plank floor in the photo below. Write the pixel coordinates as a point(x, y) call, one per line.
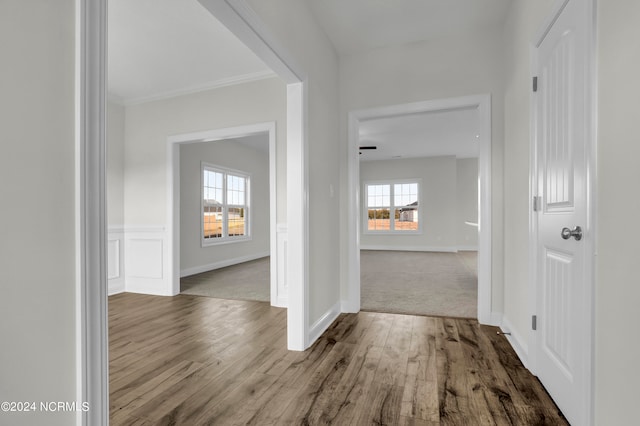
point(190, 360)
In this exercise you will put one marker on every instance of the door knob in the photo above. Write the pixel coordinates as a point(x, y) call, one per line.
point(575, 233)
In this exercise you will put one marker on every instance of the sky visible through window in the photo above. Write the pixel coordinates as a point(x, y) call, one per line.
point(213, 187)
point(379, 195)
point(405, 194)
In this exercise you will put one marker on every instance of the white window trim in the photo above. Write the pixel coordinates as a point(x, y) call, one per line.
point(391, 182)
point(225, 239)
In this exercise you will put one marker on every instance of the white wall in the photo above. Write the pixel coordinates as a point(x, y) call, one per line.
point(37, 189)
point(233, 155)
point(438, 198)
point(470, 64)
point(147, 128)
point(115, 164)
point(618, 281)
point(449, 196)
point(296, 29)
point(467, 203)
point(115, 198)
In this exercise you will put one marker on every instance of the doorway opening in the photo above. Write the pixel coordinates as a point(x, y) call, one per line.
point(360, 207)
point(187, 155)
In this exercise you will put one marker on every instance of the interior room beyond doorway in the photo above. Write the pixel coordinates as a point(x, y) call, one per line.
point(419, 178)
point(226, 204)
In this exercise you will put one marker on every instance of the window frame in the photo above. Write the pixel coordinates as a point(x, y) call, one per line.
point(225, 238)
point(392, 207)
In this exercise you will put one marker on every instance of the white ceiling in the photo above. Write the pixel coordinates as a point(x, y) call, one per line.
point(355, 26)
point(259, 142)
point(431, 134)
point(161, 48)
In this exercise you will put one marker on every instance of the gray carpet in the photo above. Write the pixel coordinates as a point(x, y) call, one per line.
point(245, 281)
point(437, 284)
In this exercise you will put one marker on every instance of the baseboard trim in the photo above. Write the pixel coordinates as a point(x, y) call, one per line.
point(347, 307)
point(491, 318)
point(410, 248)
point(222, 264)
point(153, 287)
point(517, 343)
point(495, 319)
point(321, 325)
point(116, 286)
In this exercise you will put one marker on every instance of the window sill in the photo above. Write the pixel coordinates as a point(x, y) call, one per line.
point(391, 232)
point(224, 241)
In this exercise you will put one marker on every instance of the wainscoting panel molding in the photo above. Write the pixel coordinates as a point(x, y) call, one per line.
point(113, 255)
point(147, 253)
point(115, 260)
point(146, 261)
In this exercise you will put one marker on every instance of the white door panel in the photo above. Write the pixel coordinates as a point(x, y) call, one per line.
point(562, 343)
point(557, 292)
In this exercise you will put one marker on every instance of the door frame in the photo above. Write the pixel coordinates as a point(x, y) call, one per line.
point(590, 235)
point(173, 196)
point(92, 347)
point(483, 103)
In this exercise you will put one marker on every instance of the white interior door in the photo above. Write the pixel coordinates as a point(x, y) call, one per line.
point(562, 349)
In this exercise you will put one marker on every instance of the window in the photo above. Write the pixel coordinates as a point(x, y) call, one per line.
point(392, 207)
point(225, 205)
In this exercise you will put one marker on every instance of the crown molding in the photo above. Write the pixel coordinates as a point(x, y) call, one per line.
point(230, 81)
